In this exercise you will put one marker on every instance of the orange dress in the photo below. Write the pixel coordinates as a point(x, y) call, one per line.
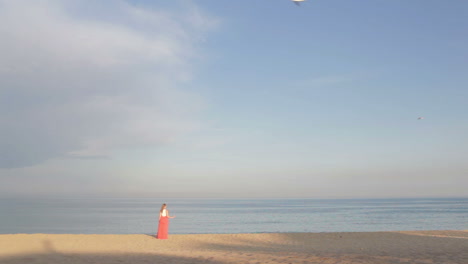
point(163, 227)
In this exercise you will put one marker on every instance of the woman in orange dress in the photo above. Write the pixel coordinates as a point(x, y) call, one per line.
point(163, 222)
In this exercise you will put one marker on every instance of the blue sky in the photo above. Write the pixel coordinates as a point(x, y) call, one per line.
point(234, 98)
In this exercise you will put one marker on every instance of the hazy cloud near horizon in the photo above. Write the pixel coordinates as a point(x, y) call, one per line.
point(82, 86)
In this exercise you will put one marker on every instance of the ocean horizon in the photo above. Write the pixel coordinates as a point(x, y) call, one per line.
point(93, 215)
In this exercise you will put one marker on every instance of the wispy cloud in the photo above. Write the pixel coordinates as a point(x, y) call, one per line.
point(330, 80)
point(84, 84)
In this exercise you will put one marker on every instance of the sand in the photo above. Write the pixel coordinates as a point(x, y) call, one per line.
point(356, 247)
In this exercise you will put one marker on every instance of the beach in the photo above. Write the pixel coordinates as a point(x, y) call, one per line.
point(347, 247)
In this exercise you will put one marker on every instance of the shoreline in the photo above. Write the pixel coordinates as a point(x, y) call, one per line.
point(245, 233)
point(442, 246)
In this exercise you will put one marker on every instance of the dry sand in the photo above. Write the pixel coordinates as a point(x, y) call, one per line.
point(367, 247)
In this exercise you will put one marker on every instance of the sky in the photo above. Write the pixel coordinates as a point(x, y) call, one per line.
point(234, 99)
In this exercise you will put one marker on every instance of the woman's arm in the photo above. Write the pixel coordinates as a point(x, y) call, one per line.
point(168, 215)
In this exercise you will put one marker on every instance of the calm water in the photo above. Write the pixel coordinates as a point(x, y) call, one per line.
point(140, 216)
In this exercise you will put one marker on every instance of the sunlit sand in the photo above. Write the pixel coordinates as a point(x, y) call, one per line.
point(366, 247)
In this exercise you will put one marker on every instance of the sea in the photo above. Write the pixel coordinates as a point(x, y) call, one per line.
point(216, 216)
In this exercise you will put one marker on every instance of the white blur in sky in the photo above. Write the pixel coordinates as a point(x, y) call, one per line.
point(229, 99)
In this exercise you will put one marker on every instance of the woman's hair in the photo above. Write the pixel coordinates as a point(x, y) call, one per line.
point(162, 208)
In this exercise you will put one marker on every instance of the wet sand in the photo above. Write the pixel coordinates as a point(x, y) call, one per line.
point(356, 247)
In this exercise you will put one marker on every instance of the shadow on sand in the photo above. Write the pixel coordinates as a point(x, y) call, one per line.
point(102, 259)
point(51, 255)
point(376, 247)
